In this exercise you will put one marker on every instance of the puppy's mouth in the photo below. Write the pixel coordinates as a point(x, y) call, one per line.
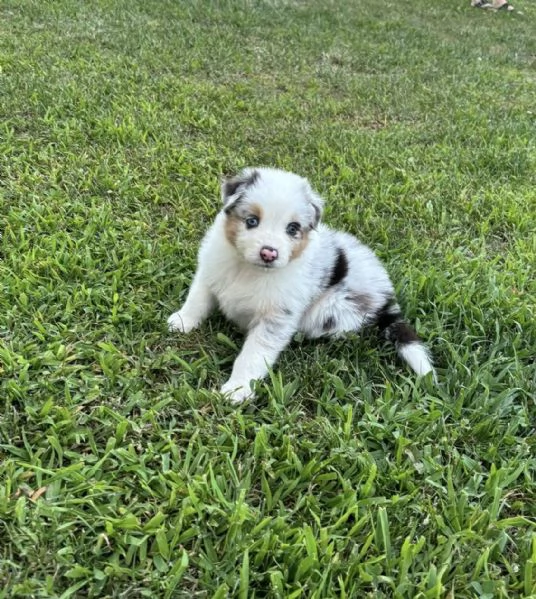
point(266, 265)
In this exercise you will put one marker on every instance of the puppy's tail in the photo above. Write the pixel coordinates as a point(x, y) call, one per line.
point(410, 348)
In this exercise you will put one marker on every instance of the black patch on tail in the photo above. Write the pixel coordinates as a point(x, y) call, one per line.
point(391, 323)
point(402, 334)
point(340, 269)
point(386, 316)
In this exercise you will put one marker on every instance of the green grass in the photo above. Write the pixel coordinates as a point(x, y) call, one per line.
point(122, 473)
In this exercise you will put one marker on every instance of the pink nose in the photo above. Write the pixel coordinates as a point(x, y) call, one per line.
point(268, 254)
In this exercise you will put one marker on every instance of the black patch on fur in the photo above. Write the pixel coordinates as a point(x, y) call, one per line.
point(230, 187)
point(340, 269)
point(317, 215)
point(229, 208)
point(385, 317)
point(402, 334)
point(361, 301)
point(329, 323)
point(287, 311)
point(391, 323)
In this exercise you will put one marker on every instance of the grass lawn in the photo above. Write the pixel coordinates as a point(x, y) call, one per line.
point(122, 472)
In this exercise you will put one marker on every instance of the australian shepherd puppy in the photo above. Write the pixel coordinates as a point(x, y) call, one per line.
point(273, 269)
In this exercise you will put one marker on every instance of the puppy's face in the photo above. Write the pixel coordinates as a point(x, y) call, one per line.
point(269, 216)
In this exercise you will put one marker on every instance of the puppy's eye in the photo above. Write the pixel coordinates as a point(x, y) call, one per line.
point(293, 229)
point(252, 222)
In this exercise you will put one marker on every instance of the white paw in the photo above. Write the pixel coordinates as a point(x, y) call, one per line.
point(179, 321)
point(237, 392)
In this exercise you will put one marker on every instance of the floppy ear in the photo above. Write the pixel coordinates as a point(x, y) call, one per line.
point(316, 203)
point(230, 188)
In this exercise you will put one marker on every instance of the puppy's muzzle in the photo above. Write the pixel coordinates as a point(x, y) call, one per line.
point(268, 254)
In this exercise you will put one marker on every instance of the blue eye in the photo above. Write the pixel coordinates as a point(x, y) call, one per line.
point(252, 222)
point(293, 229)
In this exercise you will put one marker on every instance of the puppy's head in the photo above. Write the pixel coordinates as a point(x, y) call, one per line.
point(269, 215)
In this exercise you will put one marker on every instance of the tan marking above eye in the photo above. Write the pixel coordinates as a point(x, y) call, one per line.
point(255, 210)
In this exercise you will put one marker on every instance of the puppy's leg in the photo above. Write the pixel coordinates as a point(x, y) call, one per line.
point(199, 304)
point(265, 341)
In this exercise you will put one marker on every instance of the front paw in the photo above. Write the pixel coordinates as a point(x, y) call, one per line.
point(180, 321)
point(237, 392)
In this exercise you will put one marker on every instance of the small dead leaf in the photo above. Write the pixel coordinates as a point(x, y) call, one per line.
point(36, 494)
